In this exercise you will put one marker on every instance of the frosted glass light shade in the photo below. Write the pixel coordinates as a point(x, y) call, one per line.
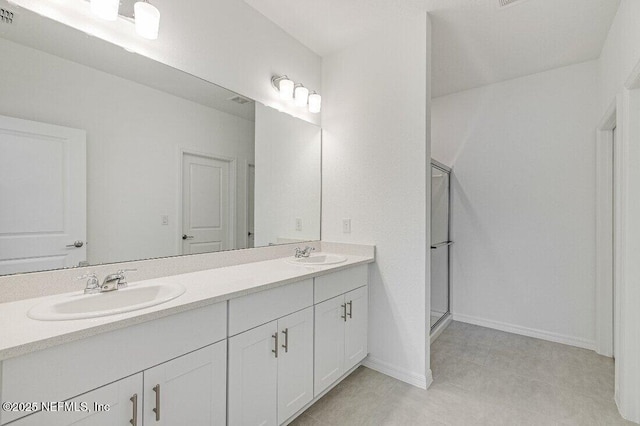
point(147, 19)
point(286, 89)
point(315, 103)
point(105, 9)
point(301, 96)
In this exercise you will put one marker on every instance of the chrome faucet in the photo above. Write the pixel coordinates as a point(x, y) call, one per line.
point(111, 282)
point(303, 253)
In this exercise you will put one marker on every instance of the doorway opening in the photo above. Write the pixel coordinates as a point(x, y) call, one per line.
point(440, 314)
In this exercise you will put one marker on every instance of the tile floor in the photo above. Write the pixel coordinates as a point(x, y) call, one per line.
point(481, 377)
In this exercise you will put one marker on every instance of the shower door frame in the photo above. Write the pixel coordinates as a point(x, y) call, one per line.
point(445, 169)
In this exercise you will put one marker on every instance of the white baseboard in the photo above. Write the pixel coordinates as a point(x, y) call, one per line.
point(436, 332)
point(418, 380)
point(530, 332)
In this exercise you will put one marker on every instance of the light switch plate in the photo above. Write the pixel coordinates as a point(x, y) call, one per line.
point(346, 226)
point(298, 224)
point(164, 220)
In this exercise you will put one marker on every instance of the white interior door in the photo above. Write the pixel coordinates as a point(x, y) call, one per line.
point(43, 213)
point(251, 191)
point(207, 207)
point(295, 363)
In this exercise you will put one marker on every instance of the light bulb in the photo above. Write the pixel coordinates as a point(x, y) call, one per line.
point(286, 89)
point(315, 103)
point(147, 19)
point(301, 95)
point(105, 9)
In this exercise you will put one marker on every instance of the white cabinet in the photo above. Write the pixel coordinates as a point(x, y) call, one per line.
point(271, 371)
point(355, 328)
point(329, 342)
point(253, 373)
point(189, 390)
point(123, 397)
point(340, 336)
point(295, 363)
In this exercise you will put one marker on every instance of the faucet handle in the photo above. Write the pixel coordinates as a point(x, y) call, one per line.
point(122, 282)
point(93, 284)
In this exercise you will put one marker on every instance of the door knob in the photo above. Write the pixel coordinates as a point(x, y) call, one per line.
point(76, 244)
point(187, 237)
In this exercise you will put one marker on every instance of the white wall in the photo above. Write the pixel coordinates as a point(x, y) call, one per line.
point(133, 135)
point(288, 178)
point(523, 157)
point(226, 42)
point(375, 151)
point(618, 61)
point(620, 53)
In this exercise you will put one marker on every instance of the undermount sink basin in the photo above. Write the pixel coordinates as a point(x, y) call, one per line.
point(82, 306)
point(318, 259)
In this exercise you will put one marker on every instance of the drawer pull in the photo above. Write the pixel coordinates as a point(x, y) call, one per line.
point(286, 340)
point(156, 410)
point(350, 303)
point(134, 400)
point(275, 350)
point(344, 314)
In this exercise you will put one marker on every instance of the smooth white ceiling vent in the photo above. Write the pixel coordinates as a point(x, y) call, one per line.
point(240, 100)
point(505, 3)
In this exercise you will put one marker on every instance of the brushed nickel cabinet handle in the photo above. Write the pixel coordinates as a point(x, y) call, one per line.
point(156, 410)
point(286, 340)
point(344, 310)
point(275, 350)
point(350, 303)
point(134, 400)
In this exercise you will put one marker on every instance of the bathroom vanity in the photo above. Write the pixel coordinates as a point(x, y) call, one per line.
point(244, 345)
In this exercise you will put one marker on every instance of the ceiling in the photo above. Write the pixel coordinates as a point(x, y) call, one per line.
point(475, 43)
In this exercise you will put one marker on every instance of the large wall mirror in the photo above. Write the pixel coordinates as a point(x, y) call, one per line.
point(108, 156)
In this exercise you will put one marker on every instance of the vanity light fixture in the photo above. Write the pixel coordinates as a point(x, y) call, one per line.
point(315, 103)
point(301, 95)
point(105, 9)
point(147, 19)
point(296, 92)
point(284, 86)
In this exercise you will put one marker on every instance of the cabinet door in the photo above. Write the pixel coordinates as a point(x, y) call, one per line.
point(355, 335)
point(295, 363)
point(253, 375)
point(189, 390)
point(329, 343)
point(89, 409)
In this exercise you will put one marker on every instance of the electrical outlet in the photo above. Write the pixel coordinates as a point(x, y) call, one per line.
point(346, 226)
point(298, 224)
point(164, 220)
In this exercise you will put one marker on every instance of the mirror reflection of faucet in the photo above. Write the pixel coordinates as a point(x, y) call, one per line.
point(110, 283)
point(303, 253)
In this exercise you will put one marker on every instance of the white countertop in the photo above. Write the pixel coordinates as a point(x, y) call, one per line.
point(20, 335)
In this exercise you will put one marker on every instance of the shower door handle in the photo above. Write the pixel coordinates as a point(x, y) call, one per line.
point(442, 244)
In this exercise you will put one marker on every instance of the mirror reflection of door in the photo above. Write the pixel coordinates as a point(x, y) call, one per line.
point(251, 184)
point(43, 214)
point(207, 207)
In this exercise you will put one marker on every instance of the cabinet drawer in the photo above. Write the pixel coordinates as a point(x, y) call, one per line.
point(61, 372)
point(259, 308)
point(332, 285)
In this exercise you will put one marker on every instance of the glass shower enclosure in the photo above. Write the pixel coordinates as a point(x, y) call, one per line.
point(440, 242)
